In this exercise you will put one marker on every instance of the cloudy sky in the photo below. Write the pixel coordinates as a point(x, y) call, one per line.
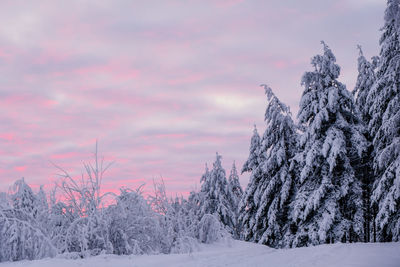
point(162, 84)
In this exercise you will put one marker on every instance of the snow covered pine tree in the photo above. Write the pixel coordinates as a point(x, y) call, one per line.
point(384, 128)
point(270, 193)
point(247, 207)
point(214, 196)
point(236, 192)
point(365, 80)
point(326, 206)
point(234, 185)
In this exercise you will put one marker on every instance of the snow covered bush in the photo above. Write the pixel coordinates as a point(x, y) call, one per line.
point(87, 232)
point(133, 226)
point(180, 223)
point(211, 230)
point(178, 220)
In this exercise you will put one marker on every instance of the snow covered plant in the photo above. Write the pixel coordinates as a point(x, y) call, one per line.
point(177, 219)
point(133, 226)
point(329, 193)
point(211, 229)
point(264, 206)
point(384, 127)
point(216, 197)
point(23, 234)
point(86, 233)
point(235, 189)
point(77, 221)
point(365, 80)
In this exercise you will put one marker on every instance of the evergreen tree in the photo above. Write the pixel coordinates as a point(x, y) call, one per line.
point(270, 193)
point(4, 204)
point(384, 128)
point(329, 194)
point(254, 157)
point(42, 209)
point(365, 80)
point(279, 144)
point(215, 197)
point(247, 207)
point(236, 192)
point(234, 185)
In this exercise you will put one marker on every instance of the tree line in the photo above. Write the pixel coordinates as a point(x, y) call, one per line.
point(78, 219)
point(335, 175)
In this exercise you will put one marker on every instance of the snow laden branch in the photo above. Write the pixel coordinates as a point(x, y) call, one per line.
point(84, 194)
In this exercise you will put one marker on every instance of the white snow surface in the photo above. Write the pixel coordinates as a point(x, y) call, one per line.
point(239, 253)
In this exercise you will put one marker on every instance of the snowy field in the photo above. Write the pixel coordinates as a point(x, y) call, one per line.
point(238, 253)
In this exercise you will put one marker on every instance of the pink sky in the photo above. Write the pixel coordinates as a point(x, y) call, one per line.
point(162, 85)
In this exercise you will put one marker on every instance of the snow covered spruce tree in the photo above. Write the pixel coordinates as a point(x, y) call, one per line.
point(365, 80)
point(384, 128)
point(271, 184)
point(234, 185)
point(254, 156)
point(329, 194)
point(236, 191)
point(247, 206)
point(215, 197)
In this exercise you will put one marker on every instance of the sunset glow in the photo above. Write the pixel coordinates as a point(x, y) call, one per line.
point(162, 85)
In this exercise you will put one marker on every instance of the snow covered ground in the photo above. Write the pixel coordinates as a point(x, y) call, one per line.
point(238, 253)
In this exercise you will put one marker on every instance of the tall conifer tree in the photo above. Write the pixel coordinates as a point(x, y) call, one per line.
point(326, 207)
point(247, 207)
point(235, 190)
point(365, 80)
point(384, 128)
point(271, 184)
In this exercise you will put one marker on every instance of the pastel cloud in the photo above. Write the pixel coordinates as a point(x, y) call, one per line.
point(162, 85)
